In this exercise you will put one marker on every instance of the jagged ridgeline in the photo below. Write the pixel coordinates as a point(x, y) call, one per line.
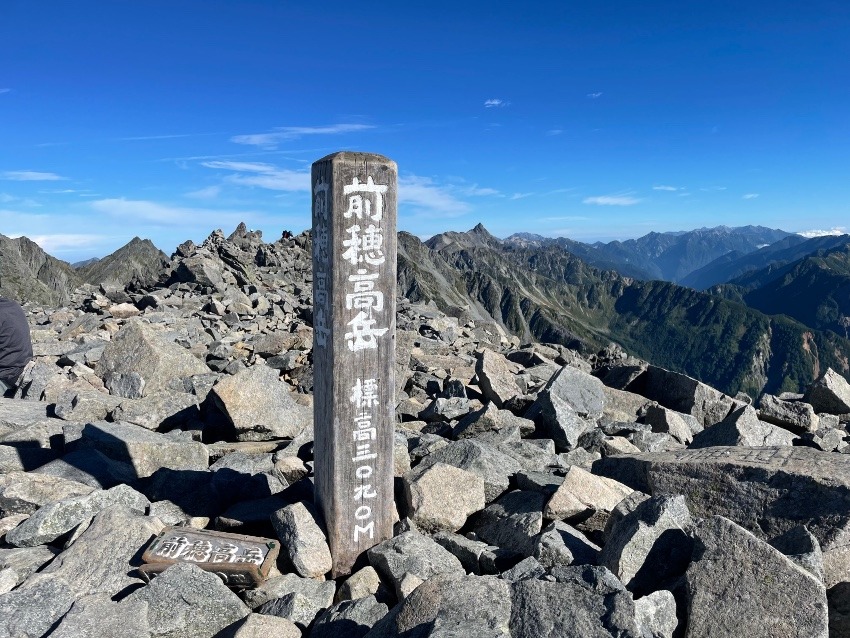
point(537, 290)
point(28, 274)
point(541, 292)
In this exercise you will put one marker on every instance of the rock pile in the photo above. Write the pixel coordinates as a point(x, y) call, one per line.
point(539, 492)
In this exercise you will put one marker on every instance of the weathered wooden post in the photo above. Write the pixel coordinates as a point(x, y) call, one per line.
point(354, 291)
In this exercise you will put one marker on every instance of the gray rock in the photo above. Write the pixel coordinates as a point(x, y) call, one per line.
point(491, 419)
point(413, 554)
point(9, 579)
point(562, 544)
point(796, 416)
point(803, 548)
point(23, 459)
point(303, 540)
point(31, 612)
point(774, 598)
point(262, 626)
point(97, 616)
point(163, 411)
point(16, 414)
point(125, 534)
point(441, 497)
point(475, 556)
point(349, 618)
point(496, 377)
point(656, 614)
point(684, 394)
point(25, 492)
point(186, 601)
point(583, 493)
point(139, 347)
point(89, 467)
point(82, 405)
point(568, 610)
point(25, 561)
point(650, 546)
point(526, 568)
point(320, 592)
point(364, 582)
point(766, 490)
point(129, 385)
point(144, 450)
point(478, 606)
point(490, 464)
point(829, 393)
point(513, 521)
point(743, 428)
point(681, 427)
point(533, 455)
point(566, 408)
point(60, 517)
point(260, 405)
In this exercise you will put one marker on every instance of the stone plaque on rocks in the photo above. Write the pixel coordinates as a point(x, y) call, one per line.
point(354, 282)
point(240, 561)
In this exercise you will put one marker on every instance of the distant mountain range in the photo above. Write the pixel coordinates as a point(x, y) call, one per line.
point(774, 327)
point(666, 256)
point(27, 273)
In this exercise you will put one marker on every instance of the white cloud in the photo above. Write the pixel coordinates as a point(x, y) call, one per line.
point(210, 192)
point(520, 195)
point(594, 96)
point(2, 91)
point(838, 230)
point(30, 176)
point(554, 131)
point(713, 188)
point(60, 242)
point(612, 200)
point(422, 193)
point(286, 133)
point(494, 103)
point(5, 198)
point(263, 175)
point(477, 191)
point(254, 167)
point(662, 187)
point(750, 196)
point(168, 215)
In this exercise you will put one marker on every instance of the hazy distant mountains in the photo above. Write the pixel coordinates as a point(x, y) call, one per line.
point(775, 326)
point(666, 256)
point(27, 273)
point(539, 291)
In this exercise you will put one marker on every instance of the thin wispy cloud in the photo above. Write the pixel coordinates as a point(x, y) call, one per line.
point(210, 192)
point(31, 176)
point(163, 137)
point(663, 187)
point(495, 103)
point(423, 194)
point(595, 96)
point(750, 196)
point(477, 191)
point(263, 175)
point(2, 91)
point(170, 215)
point(61, 242)
point(710, 189)
point(554, 131)
point(516, 196)
point(838, 230)
point(612, 200)
point(287, 133)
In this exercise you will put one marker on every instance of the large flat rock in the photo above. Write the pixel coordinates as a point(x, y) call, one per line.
point(767, 490)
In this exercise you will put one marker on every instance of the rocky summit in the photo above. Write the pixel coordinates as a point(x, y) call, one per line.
point(540, 491)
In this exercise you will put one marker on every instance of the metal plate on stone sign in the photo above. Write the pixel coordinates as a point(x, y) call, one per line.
point(239, 560)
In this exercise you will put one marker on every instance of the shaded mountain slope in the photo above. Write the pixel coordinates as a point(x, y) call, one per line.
point(137, 261)
point(541, 292)
point(28, 274)
point(775, 256)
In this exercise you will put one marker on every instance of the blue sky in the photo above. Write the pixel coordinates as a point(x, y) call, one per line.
point(590, 119)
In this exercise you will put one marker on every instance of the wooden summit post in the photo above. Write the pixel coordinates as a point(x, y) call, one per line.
point(354, 291)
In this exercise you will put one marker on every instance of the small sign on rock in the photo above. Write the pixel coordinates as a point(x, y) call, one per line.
point(239, 560)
